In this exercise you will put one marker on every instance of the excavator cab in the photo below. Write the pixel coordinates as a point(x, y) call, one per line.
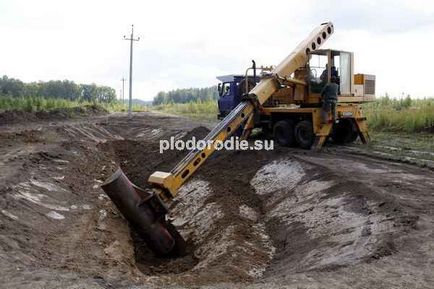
point(325, 63)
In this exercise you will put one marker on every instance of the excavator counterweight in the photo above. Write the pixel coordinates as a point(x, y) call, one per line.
point(146, 210)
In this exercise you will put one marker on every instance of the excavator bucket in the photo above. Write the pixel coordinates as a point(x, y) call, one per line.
point(146, 214)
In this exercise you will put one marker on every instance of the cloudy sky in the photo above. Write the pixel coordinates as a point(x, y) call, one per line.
point(188, 43)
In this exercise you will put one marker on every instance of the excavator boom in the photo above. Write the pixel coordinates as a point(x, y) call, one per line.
point(146, 210)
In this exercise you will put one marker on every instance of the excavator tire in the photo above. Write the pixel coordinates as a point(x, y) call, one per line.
point(304, 134)
point(283, 132)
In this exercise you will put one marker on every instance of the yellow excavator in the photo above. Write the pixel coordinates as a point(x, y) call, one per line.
point(286, 100)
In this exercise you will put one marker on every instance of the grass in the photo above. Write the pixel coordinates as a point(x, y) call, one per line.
point(408, 142)
point(118, 106)
point(384, 115)
point(198, 109)
point(409, 116)
point(35, 104)
point(31, 104)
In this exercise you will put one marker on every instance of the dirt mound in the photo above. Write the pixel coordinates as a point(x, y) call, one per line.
point(139, 159)
point(246, 216)
point(199, 132)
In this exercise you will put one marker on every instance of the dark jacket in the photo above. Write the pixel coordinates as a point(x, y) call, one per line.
point(330, 92)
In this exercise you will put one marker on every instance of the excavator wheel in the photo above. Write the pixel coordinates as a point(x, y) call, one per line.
point(304, 134)
point(283, 132)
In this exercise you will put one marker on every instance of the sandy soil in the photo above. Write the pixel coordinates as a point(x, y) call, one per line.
point(282, 219)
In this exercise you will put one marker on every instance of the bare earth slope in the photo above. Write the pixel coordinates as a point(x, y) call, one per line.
point(282, 219)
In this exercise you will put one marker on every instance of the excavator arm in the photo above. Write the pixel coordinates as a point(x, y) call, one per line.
point(171, 182)
point(146, 209)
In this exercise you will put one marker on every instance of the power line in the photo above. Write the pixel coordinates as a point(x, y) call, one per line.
point(131, 39)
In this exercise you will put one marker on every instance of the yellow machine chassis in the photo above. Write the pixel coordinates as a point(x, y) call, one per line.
point(322, 131)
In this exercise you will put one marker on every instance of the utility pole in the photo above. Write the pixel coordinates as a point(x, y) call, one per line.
point(131, 39)
point(123, 90)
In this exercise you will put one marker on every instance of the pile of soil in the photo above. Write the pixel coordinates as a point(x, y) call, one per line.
point(267, 233)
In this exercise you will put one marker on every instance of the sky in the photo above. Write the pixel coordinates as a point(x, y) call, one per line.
point(188, 43)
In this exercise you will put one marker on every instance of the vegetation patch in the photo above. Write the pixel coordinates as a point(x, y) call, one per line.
point(64, 96)
point(404, 115)
point(383, 115)
point(199, 109)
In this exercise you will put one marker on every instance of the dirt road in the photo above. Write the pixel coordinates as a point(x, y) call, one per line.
point(256, 219)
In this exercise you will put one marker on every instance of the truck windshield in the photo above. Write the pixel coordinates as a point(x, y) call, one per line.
point(226, 90)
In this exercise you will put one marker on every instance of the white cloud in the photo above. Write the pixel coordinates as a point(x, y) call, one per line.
point(188, 43)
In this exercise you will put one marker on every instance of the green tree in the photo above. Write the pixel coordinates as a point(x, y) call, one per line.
point(88, 92)
point(105, 94)
point(11, 87)
point(407, 101)
point(186, 95)
point(61, 89)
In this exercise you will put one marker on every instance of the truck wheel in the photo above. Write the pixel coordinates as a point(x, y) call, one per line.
point(344, 132)
point(304, 134)
point(283, 132)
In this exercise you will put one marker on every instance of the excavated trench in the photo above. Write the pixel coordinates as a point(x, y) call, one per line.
point(247, 216)
point(256, 215)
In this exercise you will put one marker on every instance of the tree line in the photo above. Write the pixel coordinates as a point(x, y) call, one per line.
point(64, 89)
point(186, 95)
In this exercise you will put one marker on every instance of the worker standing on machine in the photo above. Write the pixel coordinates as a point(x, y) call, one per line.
point(329, 97)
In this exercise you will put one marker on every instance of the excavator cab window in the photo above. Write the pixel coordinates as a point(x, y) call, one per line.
point(342, 70)
point(345, 73)
point(337, 63)
point(318, 72)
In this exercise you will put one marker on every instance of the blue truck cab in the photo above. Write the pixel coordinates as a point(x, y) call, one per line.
point(231, 89)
